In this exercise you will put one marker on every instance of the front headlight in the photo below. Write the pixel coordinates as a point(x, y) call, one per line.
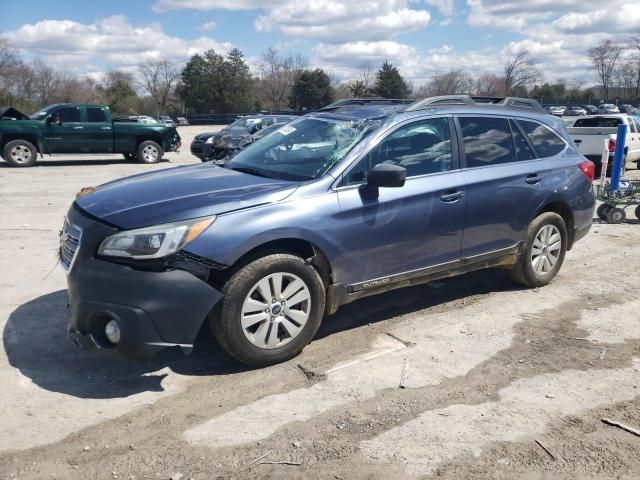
point(154, 242)
point(210, 139)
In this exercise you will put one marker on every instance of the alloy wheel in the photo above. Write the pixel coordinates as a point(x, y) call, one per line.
point(546, 249)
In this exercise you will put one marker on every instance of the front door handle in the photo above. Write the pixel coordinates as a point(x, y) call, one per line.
point(578, 141)
point(106, 128)
point(78, 128)
point(533, 178)
point(451, 196)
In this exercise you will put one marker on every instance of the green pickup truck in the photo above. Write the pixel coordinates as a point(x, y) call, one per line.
point(69, 128)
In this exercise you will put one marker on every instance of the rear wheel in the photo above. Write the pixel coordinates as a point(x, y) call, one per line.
point(20, 153)
point(616, 215)
point(149, 152)
point(543, 251)
point(271, 310)
point(602, 211)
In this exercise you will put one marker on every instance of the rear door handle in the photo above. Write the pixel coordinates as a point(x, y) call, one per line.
point(78, 128)
point(577, 141)
point(106, 128)
point(451, 196)
point(533, 178)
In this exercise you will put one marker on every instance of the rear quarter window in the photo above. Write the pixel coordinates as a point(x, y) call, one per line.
point(544, 141)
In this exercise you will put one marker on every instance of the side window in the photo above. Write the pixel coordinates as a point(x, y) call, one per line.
point(69, 114)
point(633, 127)
point(96, 115)
point(421, 148)
point(545, 142)
point(487, 141)
point(636, 123)
point(523, 151)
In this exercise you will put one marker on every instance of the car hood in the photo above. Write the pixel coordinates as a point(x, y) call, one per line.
point(180, 193)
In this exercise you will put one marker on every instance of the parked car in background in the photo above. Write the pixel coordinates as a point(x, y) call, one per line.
point(607, 108)
point(234, 137)
point(340, 204)
point(591, 109)
point(555, 110)
point(591, 133)
point(574, 111)
point(165, 119)
point(70, 128)
point(628, 109)
point(182, 121)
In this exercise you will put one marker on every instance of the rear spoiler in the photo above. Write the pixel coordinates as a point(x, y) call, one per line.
point(10, 113)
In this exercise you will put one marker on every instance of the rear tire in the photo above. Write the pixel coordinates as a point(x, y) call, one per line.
point(258, 331)
point(616, 215)
point(149, 152)
point(20, 153)
point(543, 251)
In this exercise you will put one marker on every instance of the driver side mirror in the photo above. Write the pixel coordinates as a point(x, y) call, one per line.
point(387, 175)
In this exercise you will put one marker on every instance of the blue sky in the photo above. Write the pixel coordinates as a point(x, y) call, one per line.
point(421, 37)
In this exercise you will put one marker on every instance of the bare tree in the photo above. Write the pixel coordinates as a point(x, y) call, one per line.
point(604, 58)
point(488, 84)
point(635, 46)
point(519, 73)
point(159, 80)
point(366, 76)
point(277, 76)
point(453, 82)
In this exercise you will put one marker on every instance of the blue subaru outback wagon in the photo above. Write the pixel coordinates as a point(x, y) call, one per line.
point(360, 197)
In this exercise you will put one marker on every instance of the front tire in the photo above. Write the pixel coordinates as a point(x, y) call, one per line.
point(149, 152)
point(543, 251)
point(271, 309)
point(20, 153)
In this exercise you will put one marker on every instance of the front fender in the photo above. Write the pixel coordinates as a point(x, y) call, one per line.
point(234, 234)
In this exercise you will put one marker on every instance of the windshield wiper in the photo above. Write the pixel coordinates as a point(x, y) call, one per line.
point(249, 170)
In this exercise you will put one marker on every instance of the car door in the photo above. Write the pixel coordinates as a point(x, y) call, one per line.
point(502, 180)
point(98, 131)
point(409, 228)
point(633, 140)
point(67, 136)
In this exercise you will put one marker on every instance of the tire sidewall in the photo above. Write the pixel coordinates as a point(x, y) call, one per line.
point(226, 320)
point(10, 145)
point(532, 231)
point(144, 144)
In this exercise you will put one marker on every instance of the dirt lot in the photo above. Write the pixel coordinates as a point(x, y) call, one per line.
point(490, 369)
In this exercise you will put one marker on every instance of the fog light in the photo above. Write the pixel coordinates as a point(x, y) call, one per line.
point(112, 331)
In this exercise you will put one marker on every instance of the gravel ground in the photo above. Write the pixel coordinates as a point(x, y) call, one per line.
point(500, 382)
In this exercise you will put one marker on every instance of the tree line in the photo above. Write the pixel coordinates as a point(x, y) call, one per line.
point(212, 82)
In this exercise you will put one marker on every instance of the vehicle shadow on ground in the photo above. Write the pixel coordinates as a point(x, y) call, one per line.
point(36, 344)
point(83, 161)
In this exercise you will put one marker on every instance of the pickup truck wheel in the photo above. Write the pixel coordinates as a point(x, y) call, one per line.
point(149, 152)
point(543, 251)
point(637, 212)
point(129, 157)
point(20, 153)
point(270, 311)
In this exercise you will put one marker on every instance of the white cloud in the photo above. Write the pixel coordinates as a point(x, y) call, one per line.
point(113, 38)
point(624, 19)
point(338, 20)
point(445, 6)
point(208, 26)
point(205, 5)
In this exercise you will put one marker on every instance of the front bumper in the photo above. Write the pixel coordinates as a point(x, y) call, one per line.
point(154, 310)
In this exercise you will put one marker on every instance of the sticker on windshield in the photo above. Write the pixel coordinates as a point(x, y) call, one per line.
point(286, 129)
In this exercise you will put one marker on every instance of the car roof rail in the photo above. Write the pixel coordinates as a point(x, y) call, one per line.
point(452, 100)
point(346, 102)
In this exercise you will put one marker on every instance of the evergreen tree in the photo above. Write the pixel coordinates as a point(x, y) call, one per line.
point(389, 82)
point(311, 90)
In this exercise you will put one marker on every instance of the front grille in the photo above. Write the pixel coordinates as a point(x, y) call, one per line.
point(69, 243)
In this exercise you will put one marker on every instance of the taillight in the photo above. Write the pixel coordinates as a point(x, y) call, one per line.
point(588, 168)
point(612, 145)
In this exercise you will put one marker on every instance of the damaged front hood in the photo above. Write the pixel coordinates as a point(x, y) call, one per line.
point(10, 113)
point(180, 193)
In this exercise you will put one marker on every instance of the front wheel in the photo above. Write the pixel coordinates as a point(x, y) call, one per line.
point(543, 251)
point(270, 311)
point(20, 153)
point(149, 152)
